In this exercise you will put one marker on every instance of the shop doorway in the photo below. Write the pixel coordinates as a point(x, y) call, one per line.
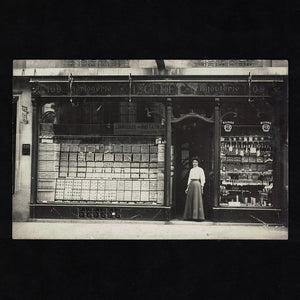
point(192, 137)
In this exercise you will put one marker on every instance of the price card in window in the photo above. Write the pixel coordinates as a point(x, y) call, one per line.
point(136, 185)
point(100, 195)
point(120, 195)
point(252, 150)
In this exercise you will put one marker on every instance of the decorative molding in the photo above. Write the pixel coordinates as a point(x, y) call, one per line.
point(192, 115)
point(235, 114)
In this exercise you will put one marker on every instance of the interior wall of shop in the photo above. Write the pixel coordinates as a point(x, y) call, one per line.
point(21, 196)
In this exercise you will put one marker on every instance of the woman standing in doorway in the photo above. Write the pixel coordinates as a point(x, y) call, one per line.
point(194, 201)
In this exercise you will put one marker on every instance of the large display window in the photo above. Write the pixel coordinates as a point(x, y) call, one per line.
point(247, 156)
point(101, 152)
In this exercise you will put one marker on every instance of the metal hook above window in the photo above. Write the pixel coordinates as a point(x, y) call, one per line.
point(70, 79)
point(130, 81)
point(249, 83)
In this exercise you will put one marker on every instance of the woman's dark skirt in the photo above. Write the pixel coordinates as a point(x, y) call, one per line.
point(194, 202)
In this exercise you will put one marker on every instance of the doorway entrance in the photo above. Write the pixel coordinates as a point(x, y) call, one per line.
point(192, 137)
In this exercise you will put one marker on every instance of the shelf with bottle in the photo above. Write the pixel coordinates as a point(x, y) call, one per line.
point(246, 138)
point(246, 146)
point(245, 168)
point(268, 172)
point(248, 205)
point(251, 179)
point(267, 176)
point(244, 160)
point(245, 198)
point(243, 183)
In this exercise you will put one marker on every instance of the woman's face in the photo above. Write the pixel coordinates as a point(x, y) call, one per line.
point(195, 163)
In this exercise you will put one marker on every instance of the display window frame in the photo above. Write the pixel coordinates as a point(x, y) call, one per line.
point(58, 153)
point(248, 150)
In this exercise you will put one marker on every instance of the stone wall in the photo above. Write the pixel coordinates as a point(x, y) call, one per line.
point(21, 196)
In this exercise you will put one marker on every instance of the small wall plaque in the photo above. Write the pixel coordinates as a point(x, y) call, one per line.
point(25, 149)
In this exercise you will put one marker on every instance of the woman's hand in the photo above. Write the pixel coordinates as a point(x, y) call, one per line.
point(186, 190)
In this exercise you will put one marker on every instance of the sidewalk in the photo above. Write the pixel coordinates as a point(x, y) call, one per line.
point(122, 229)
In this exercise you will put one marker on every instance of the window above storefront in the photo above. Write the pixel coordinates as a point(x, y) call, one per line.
point(148, 63)
point(100, 117)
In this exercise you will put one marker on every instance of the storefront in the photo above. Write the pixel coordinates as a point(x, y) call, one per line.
point(115, 147)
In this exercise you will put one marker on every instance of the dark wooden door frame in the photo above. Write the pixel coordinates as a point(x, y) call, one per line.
point(215, 119)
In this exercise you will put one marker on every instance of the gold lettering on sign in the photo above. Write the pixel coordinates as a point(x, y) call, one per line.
point(258, 89)
point(154, 88)
point(54, 89)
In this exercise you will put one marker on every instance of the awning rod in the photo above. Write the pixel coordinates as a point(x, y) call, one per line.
point(159, 81)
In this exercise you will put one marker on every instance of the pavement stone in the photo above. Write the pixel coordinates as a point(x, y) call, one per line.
point(135, 230)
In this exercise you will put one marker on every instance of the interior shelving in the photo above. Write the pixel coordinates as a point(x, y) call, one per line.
point(246, 170)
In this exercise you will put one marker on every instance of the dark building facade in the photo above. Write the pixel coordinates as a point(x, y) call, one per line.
point(119, 144)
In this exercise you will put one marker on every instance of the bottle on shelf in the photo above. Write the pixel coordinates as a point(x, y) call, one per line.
point(242, 151)
point(230, 148)
point(245, 149)
point(237, 152)
point(262, 149)
point(258, 149)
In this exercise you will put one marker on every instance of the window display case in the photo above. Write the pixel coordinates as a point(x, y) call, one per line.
point(246, 169)
point(103, 172)
point(96, 163)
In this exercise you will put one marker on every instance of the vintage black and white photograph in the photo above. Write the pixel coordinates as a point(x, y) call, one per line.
point(150, 149)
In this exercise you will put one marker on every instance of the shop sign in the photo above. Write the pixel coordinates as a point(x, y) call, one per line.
point(24, 114)
point(266, 126)
point(25, 149)
point(139, 128)
point(228, 125)
point(198, 89)
point(83, 88)
point(158, 89)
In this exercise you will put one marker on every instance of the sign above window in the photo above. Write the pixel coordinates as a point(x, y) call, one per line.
point(139, 128)
point(154, 89)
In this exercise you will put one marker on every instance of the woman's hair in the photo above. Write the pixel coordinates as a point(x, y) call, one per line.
point(195, 158)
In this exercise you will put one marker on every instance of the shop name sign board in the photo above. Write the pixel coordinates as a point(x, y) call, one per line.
point(82, 89)
point(138, 128)
point(197, 89)
point(154, 89)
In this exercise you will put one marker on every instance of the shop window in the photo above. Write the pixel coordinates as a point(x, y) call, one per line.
point(146, 112)
point(128, 112)
point(246, 155)
point(139, 112)
point(84, 117)
point(84, 157)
